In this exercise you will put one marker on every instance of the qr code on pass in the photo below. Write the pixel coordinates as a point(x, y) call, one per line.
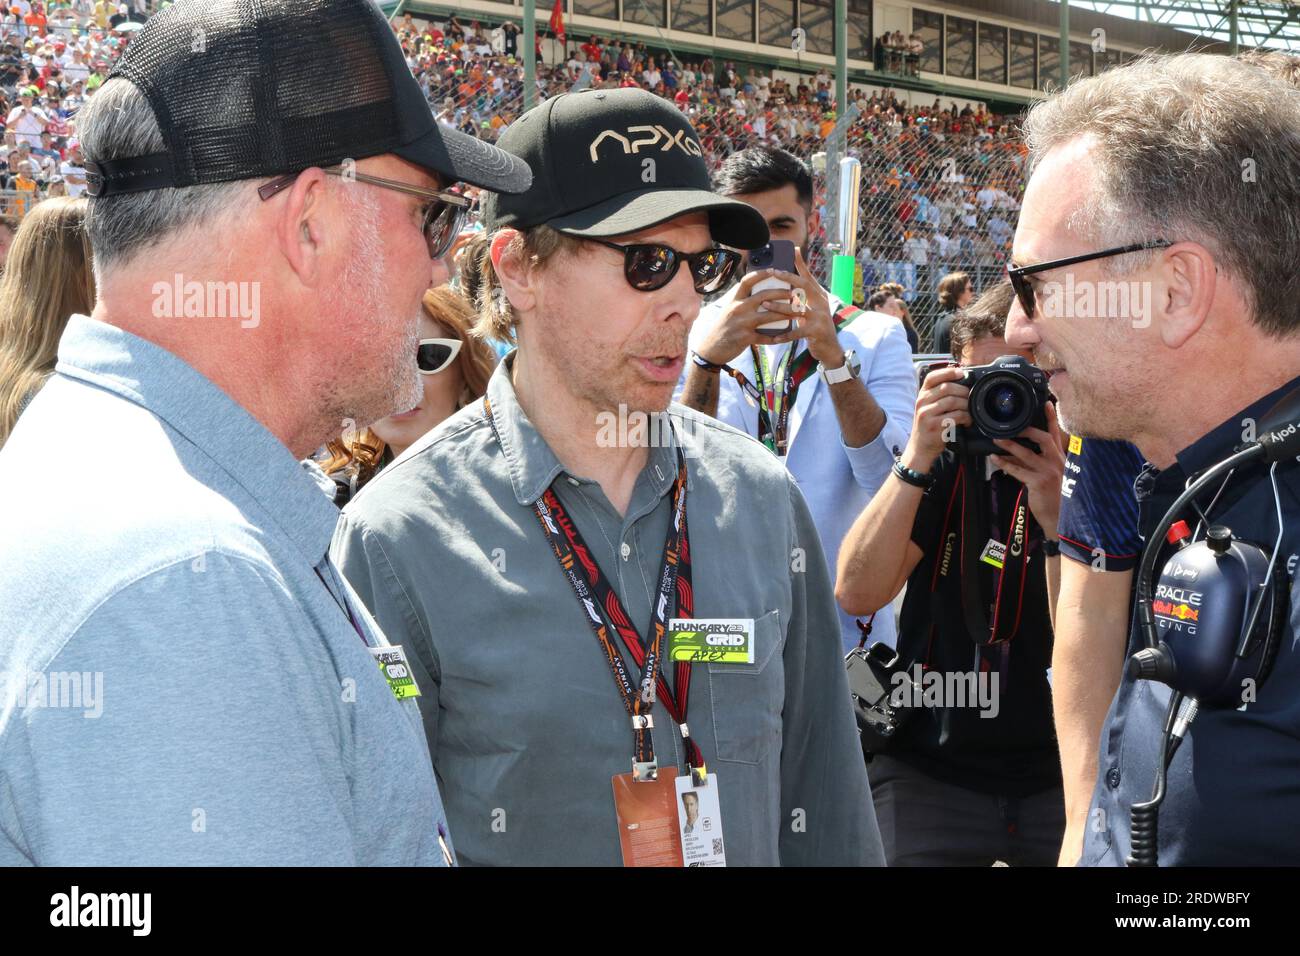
point(717, 846)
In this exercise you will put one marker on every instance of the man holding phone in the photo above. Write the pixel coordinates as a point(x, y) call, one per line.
point(829, 389)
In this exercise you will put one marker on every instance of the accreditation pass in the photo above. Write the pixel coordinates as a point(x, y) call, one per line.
point(699, 814)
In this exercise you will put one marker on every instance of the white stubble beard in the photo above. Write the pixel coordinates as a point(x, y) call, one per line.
point(397, 386)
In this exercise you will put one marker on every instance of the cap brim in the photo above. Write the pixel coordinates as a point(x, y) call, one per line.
point(731, 222)
point(465, 158)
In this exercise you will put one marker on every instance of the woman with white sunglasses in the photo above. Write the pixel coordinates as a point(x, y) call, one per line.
point(454, 367)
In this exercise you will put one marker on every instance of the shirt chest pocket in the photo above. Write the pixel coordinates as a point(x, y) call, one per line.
point(748, 699)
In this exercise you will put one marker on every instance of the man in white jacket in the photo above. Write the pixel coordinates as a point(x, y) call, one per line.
point(837, 396)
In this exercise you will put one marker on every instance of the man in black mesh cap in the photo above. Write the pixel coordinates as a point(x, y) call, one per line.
point(535, 550)
point(269, 201)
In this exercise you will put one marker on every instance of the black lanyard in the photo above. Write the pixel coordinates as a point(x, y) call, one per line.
point(598, 599)
point(342, 600)
point(1011, 577)
point(1010, 590)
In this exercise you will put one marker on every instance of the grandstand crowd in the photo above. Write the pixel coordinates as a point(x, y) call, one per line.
point(940, 183)
point(52, 59)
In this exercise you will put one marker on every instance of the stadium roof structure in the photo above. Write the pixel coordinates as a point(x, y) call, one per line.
point(1247, 23)
point(1129, 26)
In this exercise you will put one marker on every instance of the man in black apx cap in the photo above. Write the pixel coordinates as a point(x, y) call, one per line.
point(268, 202)
point(592, 647)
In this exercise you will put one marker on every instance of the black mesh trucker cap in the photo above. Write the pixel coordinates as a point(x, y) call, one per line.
point(251, 88)
point(610, 162)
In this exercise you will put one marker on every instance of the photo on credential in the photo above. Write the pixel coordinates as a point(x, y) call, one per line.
point(699, 815)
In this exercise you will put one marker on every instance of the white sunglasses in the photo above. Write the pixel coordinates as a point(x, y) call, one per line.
point(434, 355)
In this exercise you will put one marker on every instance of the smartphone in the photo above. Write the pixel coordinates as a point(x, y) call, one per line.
point(777, 254)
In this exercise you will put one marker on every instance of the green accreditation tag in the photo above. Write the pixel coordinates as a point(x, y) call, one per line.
point(717, 640)
point(994, 553)
point(392, 664)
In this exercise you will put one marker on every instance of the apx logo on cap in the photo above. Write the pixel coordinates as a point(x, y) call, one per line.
point(683, 141)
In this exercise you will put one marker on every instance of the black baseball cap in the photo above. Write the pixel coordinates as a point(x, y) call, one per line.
point(589, 151)
point(244, 89)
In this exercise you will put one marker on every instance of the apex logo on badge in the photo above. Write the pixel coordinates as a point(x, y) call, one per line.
point(712, 640)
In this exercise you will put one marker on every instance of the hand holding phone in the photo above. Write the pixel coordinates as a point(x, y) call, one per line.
point(737, 328)
point(777, 254)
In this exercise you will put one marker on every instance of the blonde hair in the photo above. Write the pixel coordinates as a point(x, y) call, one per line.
point(537, 245)
point(48, 277)
point(476, 359)
point(363, 451)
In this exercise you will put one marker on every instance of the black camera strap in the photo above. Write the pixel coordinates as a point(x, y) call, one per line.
point(971, 499)
point(943, 557)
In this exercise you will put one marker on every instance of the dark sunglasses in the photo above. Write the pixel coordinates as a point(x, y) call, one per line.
point(1024, 289)
point(443, 219)
point(435, 355)
point(651, 265)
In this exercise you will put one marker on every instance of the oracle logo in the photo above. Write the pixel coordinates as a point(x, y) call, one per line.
point(1178, 595)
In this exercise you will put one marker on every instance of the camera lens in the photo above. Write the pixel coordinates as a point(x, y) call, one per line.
point(1001, 406)
point(1003, 403)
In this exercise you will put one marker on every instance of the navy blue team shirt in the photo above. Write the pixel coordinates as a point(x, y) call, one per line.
point(1099, 510)
point(1234, 785)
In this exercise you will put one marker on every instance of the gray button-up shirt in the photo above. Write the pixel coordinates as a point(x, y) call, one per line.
point(178, 686)
point(523, 718)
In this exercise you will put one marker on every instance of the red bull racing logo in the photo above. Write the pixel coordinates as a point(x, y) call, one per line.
point(1177, 608)
point(1182, 612)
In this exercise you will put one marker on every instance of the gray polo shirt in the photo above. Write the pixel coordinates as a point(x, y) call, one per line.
point(521, 712)
point(177, 686)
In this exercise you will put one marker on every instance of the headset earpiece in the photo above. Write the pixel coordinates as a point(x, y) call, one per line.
point(1206, 599)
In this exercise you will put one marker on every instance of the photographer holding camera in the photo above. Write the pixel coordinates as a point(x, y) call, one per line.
point(973, 775)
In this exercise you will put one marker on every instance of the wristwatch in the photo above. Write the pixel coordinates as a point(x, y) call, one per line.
point(851, 368)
